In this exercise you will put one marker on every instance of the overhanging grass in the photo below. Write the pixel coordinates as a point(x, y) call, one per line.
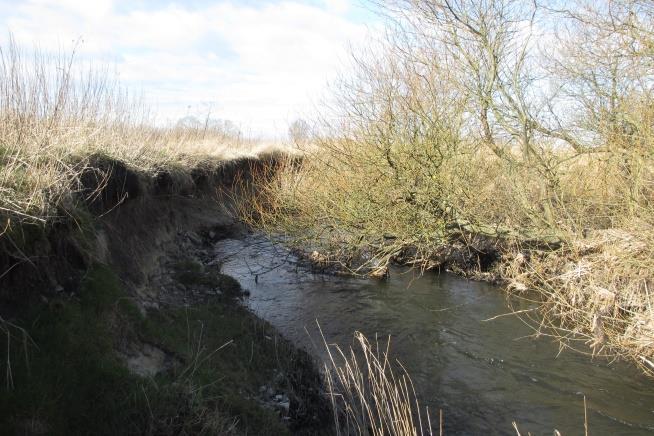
point(56, 112)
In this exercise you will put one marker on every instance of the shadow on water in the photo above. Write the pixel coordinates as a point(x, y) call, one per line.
point(482, 374)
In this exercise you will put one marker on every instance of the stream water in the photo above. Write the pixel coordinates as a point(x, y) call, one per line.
point(483, 374)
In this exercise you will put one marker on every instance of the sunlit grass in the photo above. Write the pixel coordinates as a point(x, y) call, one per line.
point(56, 112)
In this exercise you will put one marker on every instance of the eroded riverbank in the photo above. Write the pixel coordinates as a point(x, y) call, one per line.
point(130, 312)
point(116, 322)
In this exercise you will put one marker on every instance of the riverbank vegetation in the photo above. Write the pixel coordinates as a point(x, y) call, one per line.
point(504, 139)
point(56, 111)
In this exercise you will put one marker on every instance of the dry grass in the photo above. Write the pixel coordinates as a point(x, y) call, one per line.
point(596, 292)
point(373, 395)
point(367, 396)
point(56, 111)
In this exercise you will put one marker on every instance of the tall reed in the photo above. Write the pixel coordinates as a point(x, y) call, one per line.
point(368, 396)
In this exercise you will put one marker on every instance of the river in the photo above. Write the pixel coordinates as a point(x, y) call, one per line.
point(483, 374)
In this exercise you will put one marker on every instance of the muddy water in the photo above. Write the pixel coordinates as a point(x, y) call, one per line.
point(483, 374)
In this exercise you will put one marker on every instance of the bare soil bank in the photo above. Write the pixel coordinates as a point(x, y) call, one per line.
point(117, 323)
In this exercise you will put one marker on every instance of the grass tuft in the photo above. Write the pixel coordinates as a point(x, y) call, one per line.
point(368, 396)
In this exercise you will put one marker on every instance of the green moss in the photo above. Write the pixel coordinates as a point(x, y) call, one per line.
point(192, 273)
point(236, 355)
point(68, 379)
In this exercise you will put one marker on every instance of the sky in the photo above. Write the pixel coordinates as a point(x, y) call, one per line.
point(261, 64)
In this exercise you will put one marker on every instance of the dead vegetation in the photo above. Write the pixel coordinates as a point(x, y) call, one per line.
point(57, 111)
point(367, 393)
point(596, 291)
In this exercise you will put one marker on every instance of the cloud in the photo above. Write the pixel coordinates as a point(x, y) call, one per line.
point(260, 64)
point(338, 6)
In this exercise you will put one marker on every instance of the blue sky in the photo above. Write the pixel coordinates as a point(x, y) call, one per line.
point(261, 64)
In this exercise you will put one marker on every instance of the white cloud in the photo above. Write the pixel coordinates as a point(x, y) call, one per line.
point(258, 65)
point(338, 6)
